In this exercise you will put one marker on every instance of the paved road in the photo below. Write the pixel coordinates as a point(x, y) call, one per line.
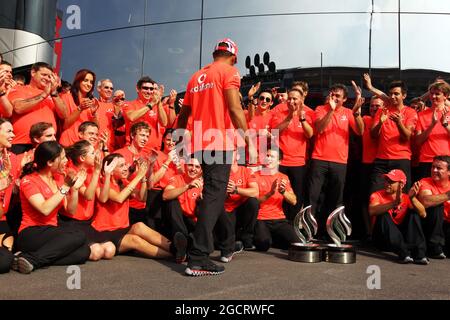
point(251, 275)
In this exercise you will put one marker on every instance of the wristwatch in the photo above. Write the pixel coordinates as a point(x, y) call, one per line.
point(445, 124)
point(356, 114)
point(303, 119)
point(235, 190)
point(64, 192)
point(2, 93)
point(148, 105)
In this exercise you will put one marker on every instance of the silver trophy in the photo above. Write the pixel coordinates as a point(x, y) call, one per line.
point(339, 228)
point(305, 226)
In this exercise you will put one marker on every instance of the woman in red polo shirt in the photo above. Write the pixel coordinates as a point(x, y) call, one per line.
point(112, 221)
point(8, 174)
point(81, 104)
point(84, 158)
point(43, 192)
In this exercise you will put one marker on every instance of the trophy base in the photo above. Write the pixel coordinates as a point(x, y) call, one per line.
point(308, 253)
point(345, 254)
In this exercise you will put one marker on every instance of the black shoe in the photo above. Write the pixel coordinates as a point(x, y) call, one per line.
point(22, 265)
point(238, 248)
point(439, 256)
point(207, 269)
point(180, 244)
point(423, 261)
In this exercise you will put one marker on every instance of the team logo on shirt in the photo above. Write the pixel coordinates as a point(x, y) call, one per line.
point(152, 113)
point(202, 78)
point(344, 118)
point(239, 182)
point(201, 84)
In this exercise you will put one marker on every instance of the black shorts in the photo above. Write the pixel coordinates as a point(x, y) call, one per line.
point(4, 227)
point(82, 225)
point(114, 236)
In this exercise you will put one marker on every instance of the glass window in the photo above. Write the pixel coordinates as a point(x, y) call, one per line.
point(435, 6)
point(220, 8)
point(384, 40)
point(116, 55)
point(99, 15)
point(294, 41)
point(172, 10)
point(172, 53)
point(424, 40)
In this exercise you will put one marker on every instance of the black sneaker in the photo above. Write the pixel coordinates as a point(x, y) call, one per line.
point(207, 269)
point(406, 260)
point(424, 261)
point(238, 248)
point(180, 244)
point(439, 256)
point(23, 265)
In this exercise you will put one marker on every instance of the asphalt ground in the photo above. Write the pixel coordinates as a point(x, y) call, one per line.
point(249, 276)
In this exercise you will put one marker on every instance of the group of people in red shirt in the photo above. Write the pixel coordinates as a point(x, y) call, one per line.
point(125, 176)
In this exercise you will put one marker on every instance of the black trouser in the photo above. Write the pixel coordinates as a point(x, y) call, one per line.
point(21, 148)
point(423, 171)
point(49, 245)
point(225, 234)
point(246, 215)
point(433, 228)
point(296, 177)
point(447, 238)
point(215, 180)
point(6, 259)
point(382, 166)
point(406, 239)
point(154, 209)
point(238, 224)
point(365, 174)
point(274, 231)
point(177, 221)
point(333, 174)
point(138, 215)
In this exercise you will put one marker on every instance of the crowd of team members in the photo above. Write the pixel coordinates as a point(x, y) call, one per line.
point(115, 182)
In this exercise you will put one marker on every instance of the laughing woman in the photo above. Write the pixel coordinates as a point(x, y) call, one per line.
point(8, 174)
point(43, 192)
point(112, 208)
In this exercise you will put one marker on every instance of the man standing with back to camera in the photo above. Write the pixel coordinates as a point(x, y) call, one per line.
point(212, 99)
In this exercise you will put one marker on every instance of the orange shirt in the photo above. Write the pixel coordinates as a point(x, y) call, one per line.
point(272, 208)
point(170, 172)
point(151, 118)
point(105, 113)
point(111, 215)
point(85, 208)
point(292, 139)
point(70, 135)
point(43, 111)
point(332, 143)
point(397, 214)
point(369, 145)
point(30, 185)
point(390, 146)
point(241, 178)
point(129, 159)
point(188, 199)
point(5, 195)
point(429, 184)
point(438, 142)
point(205, 96)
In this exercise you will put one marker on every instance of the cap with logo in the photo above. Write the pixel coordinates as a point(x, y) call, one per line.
point(396, 175)
point(227, 45)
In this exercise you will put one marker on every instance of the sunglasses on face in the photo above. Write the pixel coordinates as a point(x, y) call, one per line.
point(108, 88)
point(148, 88)
point(266, 98)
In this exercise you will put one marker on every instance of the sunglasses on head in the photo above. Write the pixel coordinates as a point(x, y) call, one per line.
point(148, 88)
point(266, 98)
